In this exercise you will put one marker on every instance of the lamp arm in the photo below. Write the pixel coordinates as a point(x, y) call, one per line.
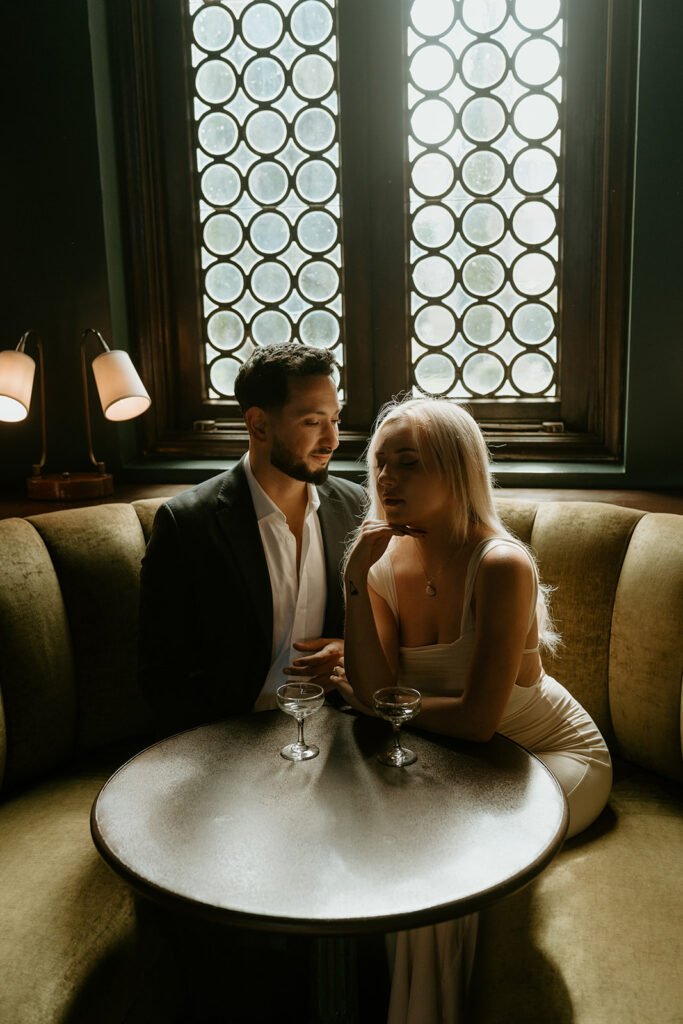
point(37, 467)
point(99, 466)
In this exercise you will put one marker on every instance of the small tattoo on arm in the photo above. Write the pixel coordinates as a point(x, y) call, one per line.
point(353, 589)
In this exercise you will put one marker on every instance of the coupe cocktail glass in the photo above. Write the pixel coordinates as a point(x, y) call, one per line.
point(300, 700)
point(397, 704)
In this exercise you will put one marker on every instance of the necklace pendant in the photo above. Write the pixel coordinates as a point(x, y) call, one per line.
point(430, 589)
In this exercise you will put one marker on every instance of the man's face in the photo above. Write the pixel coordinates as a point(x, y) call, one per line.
point(305, 431)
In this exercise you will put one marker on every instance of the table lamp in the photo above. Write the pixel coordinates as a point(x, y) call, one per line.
point(122, 394)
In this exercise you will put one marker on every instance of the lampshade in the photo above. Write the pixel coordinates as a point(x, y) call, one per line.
point(16, 382)
point(122, 393)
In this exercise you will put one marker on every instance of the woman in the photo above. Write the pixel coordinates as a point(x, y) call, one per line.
point(442, 598)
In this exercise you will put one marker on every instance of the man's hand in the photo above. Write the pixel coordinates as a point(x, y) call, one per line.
point(318, 665)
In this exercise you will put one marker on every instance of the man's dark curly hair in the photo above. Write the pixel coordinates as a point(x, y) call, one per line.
point(264, 379)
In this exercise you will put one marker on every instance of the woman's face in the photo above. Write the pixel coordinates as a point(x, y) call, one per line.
point(410, 490)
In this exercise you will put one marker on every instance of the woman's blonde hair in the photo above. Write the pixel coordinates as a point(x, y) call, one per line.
point(450, 443)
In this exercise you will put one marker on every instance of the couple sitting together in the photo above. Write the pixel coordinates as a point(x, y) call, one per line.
point(242, 588)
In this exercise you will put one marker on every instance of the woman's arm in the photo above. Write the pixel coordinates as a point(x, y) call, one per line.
point(371, 633)
point(503, 593)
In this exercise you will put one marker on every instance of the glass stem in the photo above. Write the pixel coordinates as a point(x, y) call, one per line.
point(300, 740)
point(397, 735)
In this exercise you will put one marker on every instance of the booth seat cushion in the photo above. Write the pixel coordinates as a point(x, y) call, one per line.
point(555, 950)
point(65, 915)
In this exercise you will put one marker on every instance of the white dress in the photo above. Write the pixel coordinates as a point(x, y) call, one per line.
point(432, 964)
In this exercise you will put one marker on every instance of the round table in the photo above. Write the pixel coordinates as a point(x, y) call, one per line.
point(214, 821)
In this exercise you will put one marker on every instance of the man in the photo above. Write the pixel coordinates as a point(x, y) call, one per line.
point(245, 566)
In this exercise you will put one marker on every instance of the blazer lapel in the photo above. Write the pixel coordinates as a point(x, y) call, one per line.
point(238, 523)
point(334, 528)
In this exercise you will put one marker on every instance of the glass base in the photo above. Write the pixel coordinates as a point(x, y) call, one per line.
point(299, 752)
point(397, 758)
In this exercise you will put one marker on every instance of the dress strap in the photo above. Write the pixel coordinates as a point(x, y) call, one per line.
point(467, 622)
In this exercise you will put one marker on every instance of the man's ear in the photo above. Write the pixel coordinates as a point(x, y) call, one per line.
point(257, 422)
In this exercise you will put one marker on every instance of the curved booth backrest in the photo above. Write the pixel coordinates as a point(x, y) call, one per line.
point(69, 588)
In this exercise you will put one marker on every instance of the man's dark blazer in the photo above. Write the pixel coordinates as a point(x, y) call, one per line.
point(206, 613)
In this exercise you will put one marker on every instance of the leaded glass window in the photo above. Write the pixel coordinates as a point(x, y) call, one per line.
point(439, 190)
point(485, 106)
point(267, 162)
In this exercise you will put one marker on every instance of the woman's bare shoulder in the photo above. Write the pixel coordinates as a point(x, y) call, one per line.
point(505, 565)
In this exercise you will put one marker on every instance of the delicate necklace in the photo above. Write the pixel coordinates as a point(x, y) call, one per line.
point(430, 589)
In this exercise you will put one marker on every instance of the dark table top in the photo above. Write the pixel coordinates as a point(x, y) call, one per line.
point(215, 821)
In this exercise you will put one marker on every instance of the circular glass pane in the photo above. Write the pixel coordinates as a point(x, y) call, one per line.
point(536, 117)
point(533, 274)
point(483, 274)
point(268, 182)
point(316, 181)
point(532, 373)
point(271, 328)
point(318, 281)
point(261, 26)
point(317, 231)
point(311, 22)
point(534, 170)
point(433, 174)
point(537, 62)
point(223, 373)
point(483, 224)
point(483, 65)
point(266, 131)
point(222, 234)
point(432, 17)
point(314, 129)
point(433, 276)
point(432, 121)
point(433, 226)
point(483, 172)
point(225, 330)
point(224, 282)
point(319, 328)
point(432, 67)
point(483, 324)
point(217, 134)
point(533, 323)
point(213, 28)
point(220, 184)
point(533, 223)
point(483, 119)
point(536, 14)
point(483, 373)
point(434, 325)
point(269, 232)
point(484, 15)
point(270, 281)
point(264, 79)
point(215, 81)
point(313, 76)
point(435, 374)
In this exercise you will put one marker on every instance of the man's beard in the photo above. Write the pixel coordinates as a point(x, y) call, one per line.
point(282, 458)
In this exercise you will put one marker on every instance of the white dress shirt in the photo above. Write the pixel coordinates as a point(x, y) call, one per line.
point(298, 599)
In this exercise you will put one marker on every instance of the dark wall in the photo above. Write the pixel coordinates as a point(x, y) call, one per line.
point(654, 422)
point(59, 278)
point(55, 274)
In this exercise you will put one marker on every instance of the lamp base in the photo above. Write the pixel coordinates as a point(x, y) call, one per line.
point(69, 486)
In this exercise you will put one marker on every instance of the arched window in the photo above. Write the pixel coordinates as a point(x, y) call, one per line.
point(437, 189)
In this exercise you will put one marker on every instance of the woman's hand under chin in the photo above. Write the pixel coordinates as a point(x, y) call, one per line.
point(370, 545)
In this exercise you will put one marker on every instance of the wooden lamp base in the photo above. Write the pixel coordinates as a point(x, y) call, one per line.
point(69, 486)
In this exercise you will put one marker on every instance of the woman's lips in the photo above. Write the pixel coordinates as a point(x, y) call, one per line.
point(391, 502)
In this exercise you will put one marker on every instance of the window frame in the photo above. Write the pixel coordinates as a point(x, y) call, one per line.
point(157, 202)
